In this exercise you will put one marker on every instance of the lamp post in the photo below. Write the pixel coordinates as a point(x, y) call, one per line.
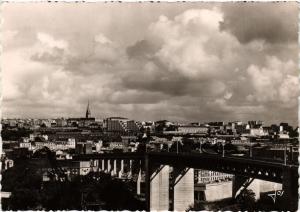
point(200, 143)
point(223, 152)
point(291, 153)
point(285, 156)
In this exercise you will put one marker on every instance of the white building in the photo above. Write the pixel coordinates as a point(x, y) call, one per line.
point(25, 145)
point(258, 132)
point(71, 143)
point(99, 146)
point(85, 167)
point(205, 176)
point(8, 163)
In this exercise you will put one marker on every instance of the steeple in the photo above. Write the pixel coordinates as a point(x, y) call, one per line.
point(88, 112)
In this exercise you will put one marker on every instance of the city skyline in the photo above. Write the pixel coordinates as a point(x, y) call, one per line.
point(197, 61)
point(89, 115)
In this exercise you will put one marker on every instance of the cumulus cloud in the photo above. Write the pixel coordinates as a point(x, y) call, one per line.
point(49, 41)
point(50, 50)
point(196, 64)
point(274, 82)
point(184, 42)
point(184, 60)
point(227, 95)
point(271, 22)
point(100, 38)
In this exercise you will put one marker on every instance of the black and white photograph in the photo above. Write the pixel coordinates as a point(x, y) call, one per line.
point(149, 106)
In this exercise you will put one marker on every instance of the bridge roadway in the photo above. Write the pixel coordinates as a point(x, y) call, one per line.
point(248, 167)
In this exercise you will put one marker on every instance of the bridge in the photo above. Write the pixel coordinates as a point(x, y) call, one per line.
point(159, 165)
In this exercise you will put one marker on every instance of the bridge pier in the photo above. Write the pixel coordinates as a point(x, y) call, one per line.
point(130, 169)
point(183, 188)
point(114, 171)
point(290, 189)
point(159, 188)
point(108, 170)
point(96, 165)
point(121, 171)
point(138, 183)
point(103, 165)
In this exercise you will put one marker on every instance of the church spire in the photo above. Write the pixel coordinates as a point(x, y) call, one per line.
point(88, 112)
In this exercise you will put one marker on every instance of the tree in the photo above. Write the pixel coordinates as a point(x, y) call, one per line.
point(294, 133)
point(24, 184)
point(218, 147)
point(229, 147)
point(246, 200)
point(29, 193)
point(188, 145)
point(174, 146)
point(165, 148)
point(25, 199)
point(74, 124)
point(196, 207)
point(11, 135)
point(141, 148)
point(171, 128)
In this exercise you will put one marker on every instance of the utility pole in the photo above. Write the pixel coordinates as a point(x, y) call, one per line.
point(291, 153)
point(285, 156)
point(200, 150)
point(223, 152)
point(200, 145)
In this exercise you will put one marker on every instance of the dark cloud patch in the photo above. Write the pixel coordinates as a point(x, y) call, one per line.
point(172, 85)
point(53, 57)
point(274, 23)
point(175, 85)
point(142, 49)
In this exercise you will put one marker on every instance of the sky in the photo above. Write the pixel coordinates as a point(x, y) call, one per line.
point(150, 61)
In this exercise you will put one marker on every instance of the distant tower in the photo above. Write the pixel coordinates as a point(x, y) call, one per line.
point(88, 112)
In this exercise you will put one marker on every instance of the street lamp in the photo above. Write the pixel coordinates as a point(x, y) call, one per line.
point(291, 153)
point(200, 143)
point(285, 156)
point(223, 152)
